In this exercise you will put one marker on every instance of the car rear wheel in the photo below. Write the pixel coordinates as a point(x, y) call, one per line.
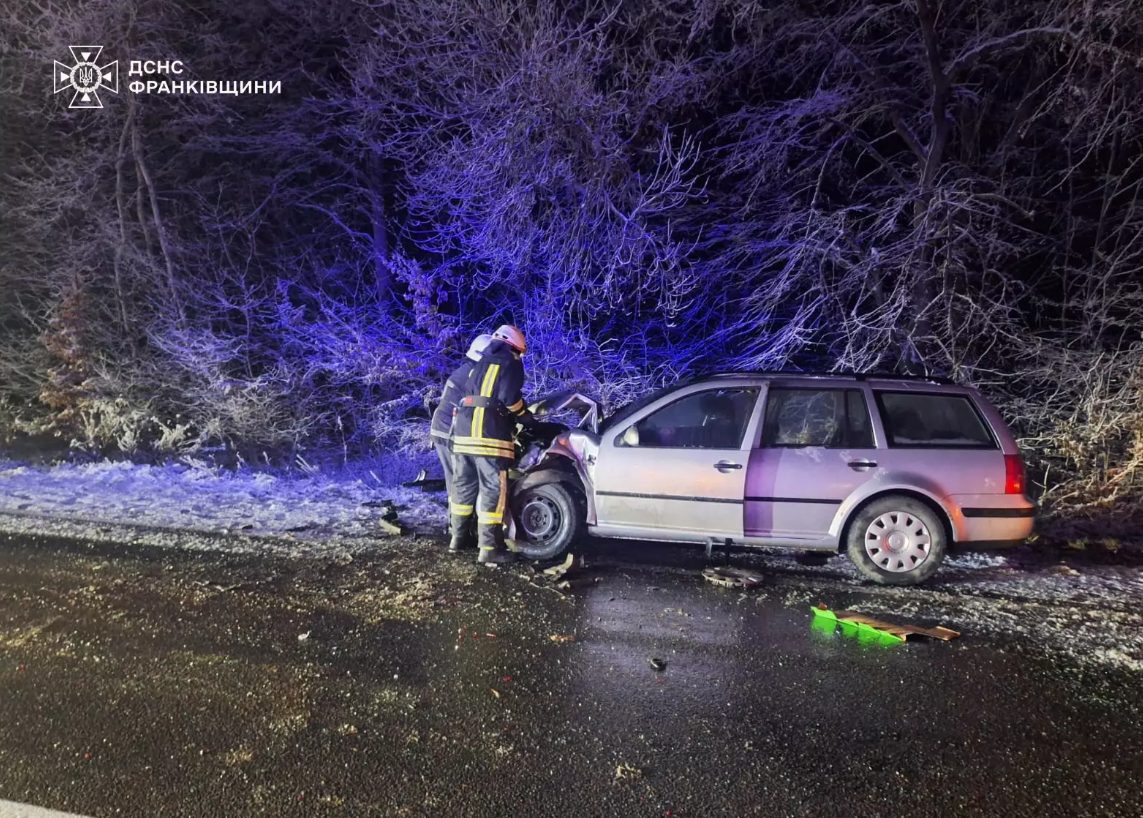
point(896, 540)
point(549, 518)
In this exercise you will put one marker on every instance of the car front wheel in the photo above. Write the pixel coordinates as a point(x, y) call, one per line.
point(549, 518)
point(896, 540)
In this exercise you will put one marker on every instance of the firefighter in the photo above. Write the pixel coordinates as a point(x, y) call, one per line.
point(442, 416)
point(490, 406)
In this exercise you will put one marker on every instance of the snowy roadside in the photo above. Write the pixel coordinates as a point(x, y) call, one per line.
point(1081, 604)
point(1081, 607)
point(178, 504)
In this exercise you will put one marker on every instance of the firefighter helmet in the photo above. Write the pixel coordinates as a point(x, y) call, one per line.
point(478, 347)
point(512, 337)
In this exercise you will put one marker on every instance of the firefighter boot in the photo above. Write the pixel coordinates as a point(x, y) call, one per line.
point(461, 525)
point(492, 548)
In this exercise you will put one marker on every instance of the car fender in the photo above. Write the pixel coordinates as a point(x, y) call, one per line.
point(543, 474)
point(891, 482)
point(553, 470)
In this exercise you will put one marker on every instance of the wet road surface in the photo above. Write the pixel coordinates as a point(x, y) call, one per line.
point(141, 682)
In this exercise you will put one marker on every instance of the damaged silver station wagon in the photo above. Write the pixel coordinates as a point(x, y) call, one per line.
point(894, 471)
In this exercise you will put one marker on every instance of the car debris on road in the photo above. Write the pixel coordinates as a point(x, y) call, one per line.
point(558, 571)
point(733, 577)
point(425, 483)
point(899, 632)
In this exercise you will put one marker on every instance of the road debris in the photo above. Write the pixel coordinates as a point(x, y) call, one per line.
point(656, 664)
point(900, 632)
point(562, 638)
point(557, 571)
point(495, 692)
point(387, 508)
point(733, 577)
point(425, 483)
point(627, 771)
point(304, 636)
point(391, 528)
point(386, 519)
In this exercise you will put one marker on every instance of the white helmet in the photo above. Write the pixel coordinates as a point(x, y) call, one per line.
point(512, 337)
point(478, 347)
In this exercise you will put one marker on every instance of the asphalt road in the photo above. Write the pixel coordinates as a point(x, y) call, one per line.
point(145, 683)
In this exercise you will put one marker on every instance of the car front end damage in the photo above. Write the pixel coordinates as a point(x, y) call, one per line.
point(550, 490)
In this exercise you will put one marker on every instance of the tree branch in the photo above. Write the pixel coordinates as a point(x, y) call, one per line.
point(965, 59)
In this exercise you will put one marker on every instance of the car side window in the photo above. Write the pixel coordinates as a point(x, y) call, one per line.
point(935, 421)
point(817, 417)
point(713, 419)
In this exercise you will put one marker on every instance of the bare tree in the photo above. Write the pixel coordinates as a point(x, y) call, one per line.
point(648, 188)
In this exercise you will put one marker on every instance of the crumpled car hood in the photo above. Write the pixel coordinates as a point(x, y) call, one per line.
point(569, 400)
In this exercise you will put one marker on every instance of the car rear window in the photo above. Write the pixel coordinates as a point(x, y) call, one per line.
point(933, 421)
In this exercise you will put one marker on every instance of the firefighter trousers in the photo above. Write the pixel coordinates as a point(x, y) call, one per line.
point(480, 485)
point(445, 454)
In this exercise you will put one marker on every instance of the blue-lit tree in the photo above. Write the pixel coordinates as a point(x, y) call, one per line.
point(647, 188)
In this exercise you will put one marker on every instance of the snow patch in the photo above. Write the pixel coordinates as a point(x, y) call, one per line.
point(195, 497)
point(975, 559)
point(1118, 657)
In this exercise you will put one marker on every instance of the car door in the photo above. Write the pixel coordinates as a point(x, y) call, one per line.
point(816, 448)
point(679, 466)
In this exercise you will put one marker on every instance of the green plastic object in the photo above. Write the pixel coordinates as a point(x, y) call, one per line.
point(822, 627)
point(825, 620)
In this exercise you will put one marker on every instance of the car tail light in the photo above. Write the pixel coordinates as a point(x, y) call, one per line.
point(1014, 482)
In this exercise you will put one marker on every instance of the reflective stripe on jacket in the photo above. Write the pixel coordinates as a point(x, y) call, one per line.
point(485, 424)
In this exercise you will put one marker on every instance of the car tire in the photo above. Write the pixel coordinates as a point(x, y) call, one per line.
point(896, 540)
point(549, 519)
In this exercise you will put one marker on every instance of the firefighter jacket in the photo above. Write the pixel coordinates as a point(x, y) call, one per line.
point(490, 405)
point(442, 416)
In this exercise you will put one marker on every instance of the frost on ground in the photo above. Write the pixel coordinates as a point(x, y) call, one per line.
point(1084, 605)
point(185, 499)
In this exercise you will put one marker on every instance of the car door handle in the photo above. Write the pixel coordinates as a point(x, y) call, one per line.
point(862, 464)
point(726, 465)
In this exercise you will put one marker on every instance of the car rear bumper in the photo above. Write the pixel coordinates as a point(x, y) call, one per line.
point(992, 518)
point(987, 545)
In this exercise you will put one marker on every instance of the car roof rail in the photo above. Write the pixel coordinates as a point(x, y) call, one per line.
point(844, 374)
point(892, 376)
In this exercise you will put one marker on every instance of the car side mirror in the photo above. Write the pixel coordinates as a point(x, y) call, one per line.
point(631, 436)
